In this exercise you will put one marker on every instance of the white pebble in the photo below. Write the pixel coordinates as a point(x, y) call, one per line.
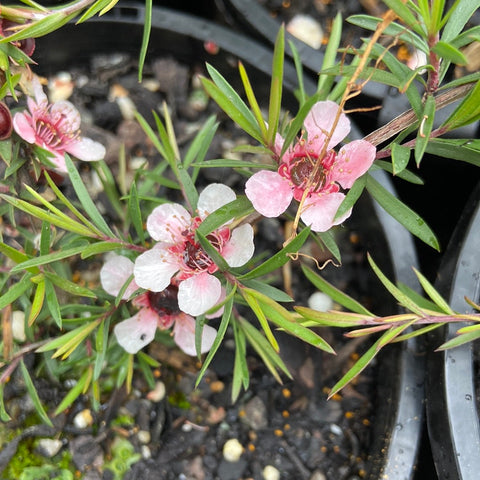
point(306, 29)
point(320, 301)
point(232, 450)
point(146, 452)
point(49, 447)
point(144, 436)
point(158, 393)
point(83, 419)
point(18, 325)
point(271, 473)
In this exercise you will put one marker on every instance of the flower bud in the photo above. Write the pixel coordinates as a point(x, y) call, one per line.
point(5, 122)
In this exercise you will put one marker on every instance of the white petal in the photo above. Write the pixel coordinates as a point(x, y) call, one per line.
point(199, 293)
point(239, 249)
point(114, 273)
point(213, 197)
point(136, 332)
point(167, 222)
point(154, 269)
point(184, 335)
point(87, 150)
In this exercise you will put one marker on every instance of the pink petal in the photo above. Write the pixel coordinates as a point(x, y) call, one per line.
point(269, 193)
point(86, 149)
point(38, 92)
point(154, 269)
point(319, 211)
point(199, 293)
point(114, 273)
point(239, 248)
point(136, 332)
point(22, 123)
point(219, 311)
point(352, 161)
point(184, 335)
point(213, 197)
point(167, 222)
point(66, 116)
point(319, 122)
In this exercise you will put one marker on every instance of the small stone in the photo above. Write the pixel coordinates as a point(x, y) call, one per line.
point(318, 475)
point(271, 473)
point(49, 447)
point(18, 325)
point(146, 452)
point(306, 29)
point(217, 386)
point(255, 414)
point(232, 450)
point(144, 436)
point(83, 419)
point(158, 393)
point(320, 301)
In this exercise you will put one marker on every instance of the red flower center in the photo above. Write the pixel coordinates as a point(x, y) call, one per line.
point(164, 303)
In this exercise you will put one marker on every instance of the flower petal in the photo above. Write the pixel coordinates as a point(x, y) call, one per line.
point(269, 193)
point(86, 149)
point(136, 332)
point(352, 161)
point(239, 248)
point(22, 123)
point(199, 293)
point(167, 222)
point(154, 269)
point(319, 122)
point(184, 335)
point(114, 273)
point(319, 211)
point(214, 196)
point(65, 116)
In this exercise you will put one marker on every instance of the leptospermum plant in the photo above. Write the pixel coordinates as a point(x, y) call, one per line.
point(185, 271)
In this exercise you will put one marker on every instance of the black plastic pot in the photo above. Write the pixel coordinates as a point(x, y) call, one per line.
point(399, 411)
point(452, 393)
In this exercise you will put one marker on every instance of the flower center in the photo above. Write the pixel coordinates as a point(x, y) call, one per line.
point(164, 302)
point(302, 170)
point(48, 133)
point(194, 256)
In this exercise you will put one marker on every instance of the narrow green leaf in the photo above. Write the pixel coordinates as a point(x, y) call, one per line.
point(135, 213)
point(4, 416)
point(51, 301)
point(147, 26)
point(460, 340)
point(86, 200)
point(455, 149)
point(231, 103)
point(101, 343)
point(425, 128)
point(37, 303)
point(406, 175)
point(32, 392)
point(51, 257)
point(400, 158)
point(327, 240)
point(233, 163)
point(467, 112)
point(101, 6)
point(280, 258)
point(269, 290)
point(68, 286)
point(239, 207)
point(15, 291)
point(458, 16)
point(433, 294)
point(212, 252)
point(332, 318)
point(405, 13)
point(352, 196)
point(258, 311)
point(334, 293)
point(403, 299)
point(300, 92)
point(225, 321)
point(201, 143)
point(16, 256)
point(241, 376)
point(188, 186)
point(99, 248)
point(73, 393)
point(275, 102)
point(450, 53)
point(403, 214)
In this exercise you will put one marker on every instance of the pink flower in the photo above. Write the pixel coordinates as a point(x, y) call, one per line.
point(179, 259)
point(157, 310)
point(56, 128)
point(271, 192)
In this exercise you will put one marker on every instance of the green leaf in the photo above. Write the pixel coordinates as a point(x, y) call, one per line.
point(101, 6)
point(403, 214)
point(450, 53)
point(69, 286)
point(233, 163)
point(280, 258)
point(86, 200)
point(15, 291)
point(135, 213)
point(334, 293)
point(404, 12)
point(403, 299)
point(227, 312)
point(332, 318)
point(99, 248)
point(212, 252)
point(32, 392)
point(51, 257)
point(275, 103)
point(52, 302)
point(37, 302)
point(467, 112)
point(400, 158)
point(241, 375)
point(101, 343)
point(4, 416)
point(147, 26)
point(300, 92)
point(269, 290)
point(258, 311)
point(239, 207)
point(406, 175)
point(201, 143)
point(461, 339)
point(456, 149)
point(458, 16)
point(231, 103)
point(433, 294)
point(16, 256)
point(352, 196)
point(425, 128)
point(74, 392)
